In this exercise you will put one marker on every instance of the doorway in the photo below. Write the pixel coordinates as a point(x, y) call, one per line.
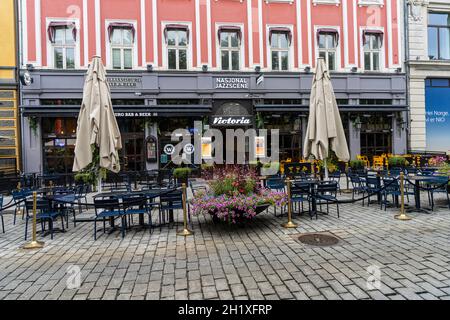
point(132, 153)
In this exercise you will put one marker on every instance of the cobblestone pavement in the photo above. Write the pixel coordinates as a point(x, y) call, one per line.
point(259, 261)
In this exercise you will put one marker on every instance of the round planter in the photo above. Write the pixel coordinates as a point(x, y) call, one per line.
point(259, 209)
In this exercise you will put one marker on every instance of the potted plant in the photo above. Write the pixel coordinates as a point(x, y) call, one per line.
point(357, 165)
point(182, 174)
point(270, 168)
point(235, 196)
point(397, 162)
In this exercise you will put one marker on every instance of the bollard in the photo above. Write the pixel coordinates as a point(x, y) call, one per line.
point(19, 187)
point(289, 224)
point(185, 232)
point(402, 216)
point(34, 244)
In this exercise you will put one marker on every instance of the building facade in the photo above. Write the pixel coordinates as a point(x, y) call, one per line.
point(9, 124)
point(429, 65)
point(171, 63)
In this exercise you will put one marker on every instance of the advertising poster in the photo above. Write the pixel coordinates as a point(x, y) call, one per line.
point(206, 148)
point(437, 103)
point(260, 147)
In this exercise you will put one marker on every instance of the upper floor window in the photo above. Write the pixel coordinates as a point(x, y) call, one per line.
point(230, 44)
point(328, 40)
point(280, 41)
point(372, 41)
point(121, 37)
point(439, 36)
point(177, 41)
point(63, 37)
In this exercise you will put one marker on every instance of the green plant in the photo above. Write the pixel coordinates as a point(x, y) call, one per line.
point(33, 122)
point(397, 162)
point(182, 173)
point(259, 120)
point(445, 169)
point(357, 164)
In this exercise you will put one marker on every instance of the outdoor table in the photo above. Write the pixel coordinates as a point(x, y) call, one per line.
point(149, 194)
point(57, 206)
point(417, 180)
point(312, 184)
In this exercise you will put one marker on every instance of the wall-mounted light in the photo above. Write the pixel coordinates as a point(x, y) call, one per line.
point(257, 69)
point(30, 67)
point(398, 70)
point(357, 123)
point(205, 68)
point(149, 67)
point(307, 69)
point(354, 69)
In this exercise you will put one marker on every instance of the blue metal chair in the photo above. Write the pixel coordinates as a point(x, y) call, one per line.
point(357, 186)
point(137, 205)
point(373, 187)
point(327, 194)
point(300, 193)
point(391, 188)
point(44, 212)
point(172, 200)
point(1, 213)
point(336, 177)
point(438, 185)
point(18, 197)
point(108, 209)
point(277, 184)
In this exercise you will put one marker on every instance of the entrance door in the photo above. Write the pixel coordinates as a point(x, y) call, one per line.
point(132, 155)
point(376, 143)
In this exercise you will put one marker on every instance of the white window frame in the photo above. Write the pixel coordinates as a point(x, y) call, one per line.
point(291, 55)
point(280, 1)
point(50, 46)
point(109, 45)
point(165, 46)
point(382, 50)
point(241, 47)
point(338, 47)
point(362, 3)
point(333, 2)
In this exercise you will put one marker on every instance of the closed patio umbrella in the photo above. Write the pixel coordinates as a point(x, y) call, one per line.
point(325, 128)
point(97, 124)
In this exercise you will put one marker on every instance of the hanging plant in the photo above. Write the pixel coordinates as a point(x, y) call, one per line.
point(259, 120)
point(33, 122)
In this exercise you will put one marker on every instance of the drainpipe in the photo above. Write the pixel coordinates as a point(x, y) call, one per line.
point(407, 71)
point(18, 47)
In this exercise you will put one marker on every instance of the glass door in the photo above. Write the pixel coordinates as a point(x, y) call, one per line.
point(132, 154)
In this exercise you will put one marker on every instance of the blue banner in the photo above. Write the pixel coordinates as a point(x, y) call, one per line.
point(437, 101)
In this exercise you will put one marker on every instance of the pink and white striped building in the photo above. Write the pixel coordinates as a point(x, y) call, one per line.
point(351, 21)
point(188, 60)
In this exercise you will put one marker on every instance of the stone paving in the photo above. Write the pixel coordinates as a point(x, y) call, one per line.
point(411, 259)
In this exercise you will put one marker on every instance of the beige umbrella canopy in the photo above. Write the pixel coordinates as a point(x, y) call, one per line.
point(97, 124)
point(325, 128)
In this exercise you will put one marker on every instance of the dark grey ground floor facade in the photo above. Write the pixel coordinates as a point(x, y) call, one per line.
point(150, 105)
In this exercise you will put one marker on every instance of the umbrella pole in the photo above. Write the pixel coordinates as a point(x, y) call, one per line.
point(99, 182)
point(325, 166)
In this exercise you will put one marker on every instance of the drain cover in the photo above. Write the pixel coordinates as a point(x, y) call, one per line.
point(318, 239)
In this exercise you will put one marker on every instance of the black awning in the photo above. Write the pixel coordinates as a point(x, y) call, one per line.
point(126, 110)
point(305, 108)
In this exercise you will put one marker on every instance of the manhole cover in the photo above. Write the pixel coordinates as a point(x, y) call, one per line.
point(318, 239)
